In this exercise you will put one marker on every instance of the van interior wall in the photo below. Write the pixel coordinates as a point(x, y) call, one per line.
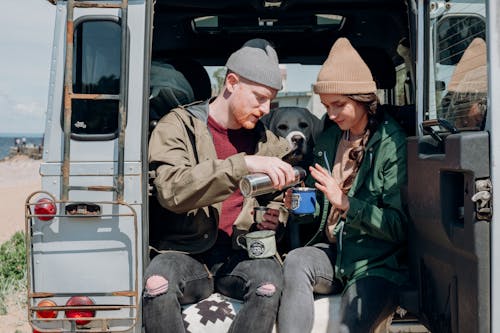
point(375, 28)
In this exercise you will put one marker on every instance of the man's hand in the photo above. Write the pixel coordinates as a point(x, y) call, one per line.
point(287, 200)
point(281, 173)
point(271, 220)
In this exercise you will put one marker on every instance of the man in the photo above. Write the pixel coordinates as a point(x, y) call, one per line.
point(201, 151)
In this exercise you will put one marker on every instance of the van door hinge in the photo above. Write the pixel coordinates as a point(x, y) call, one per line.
point(151, 178)
point(438, 8)
point(483, 199)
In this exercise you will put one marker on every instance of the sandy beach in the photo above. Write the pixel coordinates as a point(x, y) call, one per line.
point(19, 177)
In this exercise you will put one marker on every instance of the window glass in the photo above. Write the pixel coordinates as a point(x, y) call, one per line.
point(458, 65)
point(96, 70)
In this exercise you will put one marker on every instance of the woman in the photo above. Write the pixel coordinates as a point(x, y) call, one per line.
point(359, 248)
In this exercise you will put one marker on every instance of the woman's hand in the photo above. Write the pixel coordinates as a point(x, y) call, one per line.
point(327, 184)
point(270, 221)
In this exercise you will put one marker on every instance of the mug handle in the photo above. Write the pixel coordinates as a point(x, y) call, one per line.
point(244, 246)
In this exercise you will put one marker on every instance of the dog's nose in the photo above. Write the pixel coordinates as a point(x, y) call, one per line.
point(297, 139)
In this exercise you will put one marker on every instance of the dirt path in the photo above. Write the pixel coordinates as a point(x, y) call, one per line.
point(18, 178)
point(15, 319)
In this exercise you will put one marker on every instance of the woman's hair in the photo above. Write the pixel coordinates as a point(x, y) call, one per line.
point(370, 102)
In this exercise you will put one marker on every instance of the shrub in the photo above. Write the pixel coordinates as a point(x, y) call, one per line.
point(12, 268)
point(13, 258)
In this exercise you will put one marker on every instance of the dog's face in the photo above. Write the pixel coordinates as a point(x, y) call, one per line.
point(299, 126)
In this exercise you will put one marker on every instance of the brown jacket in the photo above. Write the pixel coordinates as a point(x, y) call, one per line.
point(191, 182)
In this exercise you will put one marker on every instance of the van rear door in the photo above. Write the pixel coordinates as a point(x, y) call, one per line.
point(93, 170)
point(449, 170)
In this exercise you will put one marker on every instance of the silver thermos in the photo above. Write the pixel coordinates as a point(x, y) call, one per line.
point(259, 183)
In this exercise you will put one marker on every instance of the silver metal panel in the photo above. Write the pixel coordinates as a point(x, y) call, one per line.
point(92, 254)
point(493, 123)
point(94, 168)
point(97, 150)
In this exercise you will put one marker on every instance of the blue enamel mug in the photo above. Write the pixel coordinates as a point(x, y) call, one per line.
point(303, 200)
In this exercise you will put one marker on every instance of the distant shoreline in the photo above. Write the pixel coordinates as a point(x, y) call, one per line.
point(25, 144)
point(26, 135)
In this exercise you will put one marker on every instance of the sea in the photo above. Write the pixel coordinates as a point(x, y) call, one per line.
point(9, 140)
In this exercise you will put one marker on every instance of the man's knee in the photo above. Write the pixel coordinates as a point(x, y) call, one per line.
point(156, 285)
point(266, 289)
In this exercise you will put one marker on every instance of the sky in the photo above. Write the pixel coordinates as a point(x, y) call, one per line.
point(27, 28)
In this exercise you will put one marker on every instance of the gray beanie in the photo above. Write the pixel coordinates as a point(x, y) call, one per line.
point(257, 61)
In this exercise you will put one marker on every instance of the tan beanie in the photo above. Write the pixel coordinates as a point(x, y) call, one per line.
point(344, 72)
point(470, 73)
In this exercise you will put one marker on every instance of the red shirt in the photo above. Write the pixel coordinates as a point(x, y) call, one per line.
point(229, 142)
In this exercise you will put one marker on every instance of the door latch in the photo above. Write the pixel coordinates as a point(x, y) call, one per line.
point(482, 199)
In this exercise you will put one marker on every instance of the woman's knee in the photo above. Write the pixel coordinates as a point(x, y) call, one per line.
point(296, 262)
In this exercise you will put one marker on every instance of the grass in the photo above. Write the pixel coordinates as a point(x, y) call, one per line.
point(12, 268)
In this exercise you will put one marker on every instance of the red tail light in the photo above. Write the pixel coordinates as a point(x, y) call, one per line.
point(45, 207)
point(46, 313)
point(79, 301)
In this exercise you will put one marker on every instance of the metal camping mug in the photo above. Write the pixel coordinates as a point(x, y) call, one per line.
point(303, 200)
point(258, 213)
point(259, 244)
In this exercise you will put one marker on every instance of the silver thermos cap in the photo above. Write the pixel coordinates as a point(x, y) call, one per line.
point(257, 184)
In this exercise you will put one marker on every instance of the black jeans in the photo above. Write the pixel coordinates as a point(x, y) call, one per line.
point(257, 282)
point(310, 270)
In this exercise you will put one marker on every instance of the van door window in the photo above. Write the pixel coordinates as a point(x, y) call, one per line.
point(96, 70)
point(458, 65)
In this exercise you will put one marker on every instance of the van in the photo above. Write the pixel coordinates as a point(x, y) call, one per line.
point(118, 66)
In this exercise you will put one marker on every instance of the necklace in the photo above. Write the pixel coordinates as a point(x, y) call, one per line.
point(348, 136)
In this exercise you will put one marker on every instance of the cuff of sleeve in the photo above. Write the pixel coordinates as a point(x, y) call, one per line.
point(239, 165)
point(355, 210)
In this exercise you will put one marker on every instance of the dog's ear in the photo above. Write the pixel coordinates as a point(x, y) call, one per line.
point(326, 122)
point(266, 119)
point(269, 119)
point(317, 126)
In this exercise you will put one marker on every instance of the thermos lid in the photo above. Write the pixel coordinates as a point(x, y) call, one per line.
point(245, 187)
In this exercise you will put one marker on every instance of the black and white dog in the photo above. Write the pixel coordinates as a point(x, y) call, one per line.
point(300, 127)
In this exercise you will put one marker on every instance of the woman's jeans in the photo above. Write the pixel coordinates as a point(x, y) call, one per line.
point(309, 270)
point(173, 279)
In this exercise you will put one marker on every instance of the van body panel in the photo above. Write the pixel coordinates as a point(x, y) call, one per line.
point(493, 122)
point(95, 254)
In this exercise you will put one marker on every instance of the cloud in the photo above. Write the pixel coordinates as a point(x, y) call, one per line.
point(20, 117)
point(24, 64)
point(31, 109)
